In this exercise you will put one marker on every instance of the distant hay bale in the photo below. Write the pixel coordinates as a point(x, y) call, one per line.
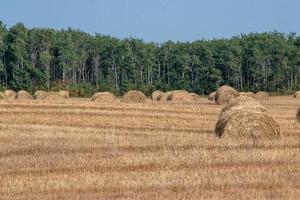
point(212, 96)
point(10, 94)
point(297, 94)
point(195, 96)
point(248, 94)
point(166, 96)
point(262, 95)
point(48, 96)
point(244, 117)
point(224, 94)
point(2, 96)
point(180, 96)
point(104, 97)
point(65, 94)
point(134, 96)
point(157, 95)
point(23, 95)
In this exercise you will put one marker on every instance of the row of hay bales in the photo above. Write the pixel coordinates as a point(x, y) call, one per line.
point(134, 96)
point(39, 95)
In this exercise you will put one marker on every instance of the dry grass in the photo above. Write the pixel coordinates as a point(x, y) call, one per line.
point(83, 150)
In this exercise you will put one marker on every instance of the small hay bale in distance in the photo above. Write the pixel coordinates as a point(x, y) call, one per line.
point(224, 94)
point(157, 95)
point(23, 95)
point(244, 117)
point(180, 96)
point(195, 96)
point(248, 94)
point(262, 95)
point(64, 93)
point(166, 96)
point(48, 96)
point(104, 97)
point(134, 96)
point(212, 96)
point(297, 94)
point(39, 95)
point(10, 94)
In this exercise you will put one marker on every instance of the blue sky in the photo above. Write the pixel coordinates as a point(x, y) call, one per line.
point(157, 20)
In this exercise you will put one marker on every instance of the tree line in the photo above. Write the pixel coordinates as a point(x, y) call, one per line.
point(48, 59)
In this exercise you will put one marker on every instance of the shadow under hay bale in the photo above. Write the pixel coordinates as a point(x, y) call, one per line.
point(10, 94)
point(297, 94)
point(157, 95)
point(224, 94)
point(262, 96)
point(298, 115)
point(134, 96)
point(244, 117)
point(104, 97)
point(212, 96)
point(23, 95)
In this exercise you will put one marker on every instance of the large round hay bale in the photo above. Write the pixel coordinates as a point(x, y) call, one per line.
point(23, 95)
point(195, 96)
point(104, 97)
point(2, 96)
point(212, 96)
point(224, 94)
point(134, 96)
point(262, 95)
point(180, 96)
point(65, 94)
point(244, 117)
point(10, 94)
point(297, 94)
point(157, 95)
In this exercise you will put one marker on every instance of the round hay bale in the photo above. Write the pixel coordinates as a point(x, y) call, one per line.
point(166, 96)
point(157, 95)
point(180, 96)
point(10, 94)
point(134, 96)
point(195, 96)
point(244, 117)
point(262, 95)
point(104, 97)
point(23, 95)
point(39, 95)
point(297, 94)
point(212, 96)
point(52, 96)
point(65, 94)
point(2, 96)
point(224, 94)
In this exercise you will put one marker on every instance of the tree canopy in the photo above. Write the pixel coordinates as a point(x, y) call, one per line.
point(42, 58)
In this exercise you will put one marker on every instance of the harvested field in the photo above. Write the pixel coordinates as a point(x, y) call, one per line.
point(83, 150)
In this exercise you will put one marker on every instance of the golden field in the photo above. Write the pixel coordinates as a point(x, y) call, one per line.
point(80, 149)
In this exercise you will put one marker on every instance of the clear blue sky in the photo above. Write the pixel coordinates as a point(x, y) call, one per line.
point(157, 20)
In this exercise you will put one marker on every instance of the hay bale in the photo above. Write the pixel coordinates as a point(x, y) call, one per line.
point(39, 95)
point(134, 96)
point(224, 94)
point(262, 95)
point(104, 97)
point(180, 96)
point(166, 96)
point(157, 95)
point(23, 95)
point(244, 117)
point(2, 96)
point(10, 94)
point(195, 96)
point(212, 96)
point(48, 96)
point(248, 94)
point(297, 94)
point(65, 94)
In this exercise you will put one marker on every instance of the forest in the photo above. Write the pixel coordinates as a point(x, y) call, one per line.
point(48, 59)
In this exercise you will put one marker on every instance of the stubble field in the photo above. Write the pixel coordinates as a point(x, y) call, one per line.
point(79, 149)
